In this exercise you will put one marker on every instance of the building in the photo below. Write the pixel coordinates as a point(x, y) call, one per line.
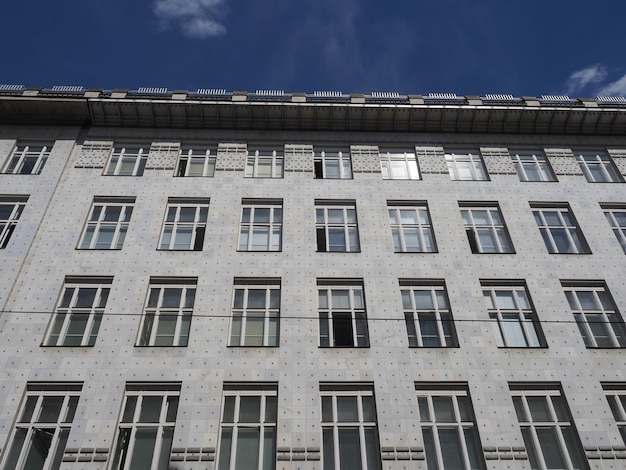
point(219, 280)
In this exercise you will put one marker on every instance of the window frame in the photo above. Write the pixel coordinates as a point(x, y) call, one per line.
point(611, 317)
point(27, 423)
point(497, 231)
point(127, 152)
point(465, 165)
point(422, 230)
point(226, 459)
point(100, 222)
point(416, 326)
point(462, 420)
point(187, 155)
point(520, 392)
point(197, 227)
point(579, 243)
point(615, 394)
point(332, 318)
point(408, 161)
point(269, 313)
point(537, 159)
point(67, 316)
point(610, 211)
point(129, 424)
point(325, 227)
point(258, 154)
point(7, 226)
point(598, 166)
point(153, 316)
point(22, 152)
point(252, 205)
point(522, 316)
point(323, 159)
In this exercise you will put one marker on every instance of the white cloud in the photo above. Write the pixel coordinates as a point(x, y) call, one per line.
point(196, 18)
point(616, 88)
point(581, 78)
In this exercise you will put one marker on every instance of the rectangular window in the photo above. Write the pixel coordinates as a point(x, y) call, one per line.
point(349, 427)
point(616, 215)
point(146, 427)
point(427, 314)
point(196, 160)
point(411, 229)
point(261, 225)
point(166, 318)
point(550, 437)
point(485, 228)
point(127, 160)
point(598, 320)
point(79, 312)
point(598, 167)
point(333, 165)
point(28, 158)
point(41, 431)
point(107, 223)
point(398, 165)
point(248, 429)
point(343, 321)
point(336, 227)
point(616, 396)
point(11, 208)
point(559, 229)
point(464, 165)
point(513, 318)
point(448, 427)
point(532, 165)
point(256, 311)
point(185, 224)
point(264, 163)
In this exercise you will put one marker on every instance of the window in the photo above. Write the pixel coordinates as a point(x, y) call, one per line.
point(167, 314)
point(513, 318)
point(248, 430)
point(349, 428)
point(28, 158)
point(333, 165)
point(559, 229)
point(532, 165)
point(264, 163)
point(598, 320)
point(616, 215)
point(448, 427)
point(616, 396)
point(398, 165)
point(185, 224)
point(107, 223)
point(598, 167)
point(343, 322)
point(411, 229)
point(427, 314)
point(11, 208)
point(256, 310)
point(146, 427)
point(336, 227)
point(127, 160)
point(261, 225)
point(465, 165)
point(79, 311)
point(196, 160)
point(547, 427)
point(485, 229)
point(41, 431)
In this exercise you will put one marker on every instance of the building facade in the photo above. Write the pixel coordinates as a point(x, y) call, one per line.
point(219, 280)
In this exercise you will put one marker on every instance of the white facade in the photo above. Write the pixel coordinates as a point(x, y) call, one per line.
point(269, 295)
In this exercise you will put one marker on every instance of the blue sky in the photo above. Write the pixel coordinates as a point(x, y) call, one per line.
point(468, 47)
